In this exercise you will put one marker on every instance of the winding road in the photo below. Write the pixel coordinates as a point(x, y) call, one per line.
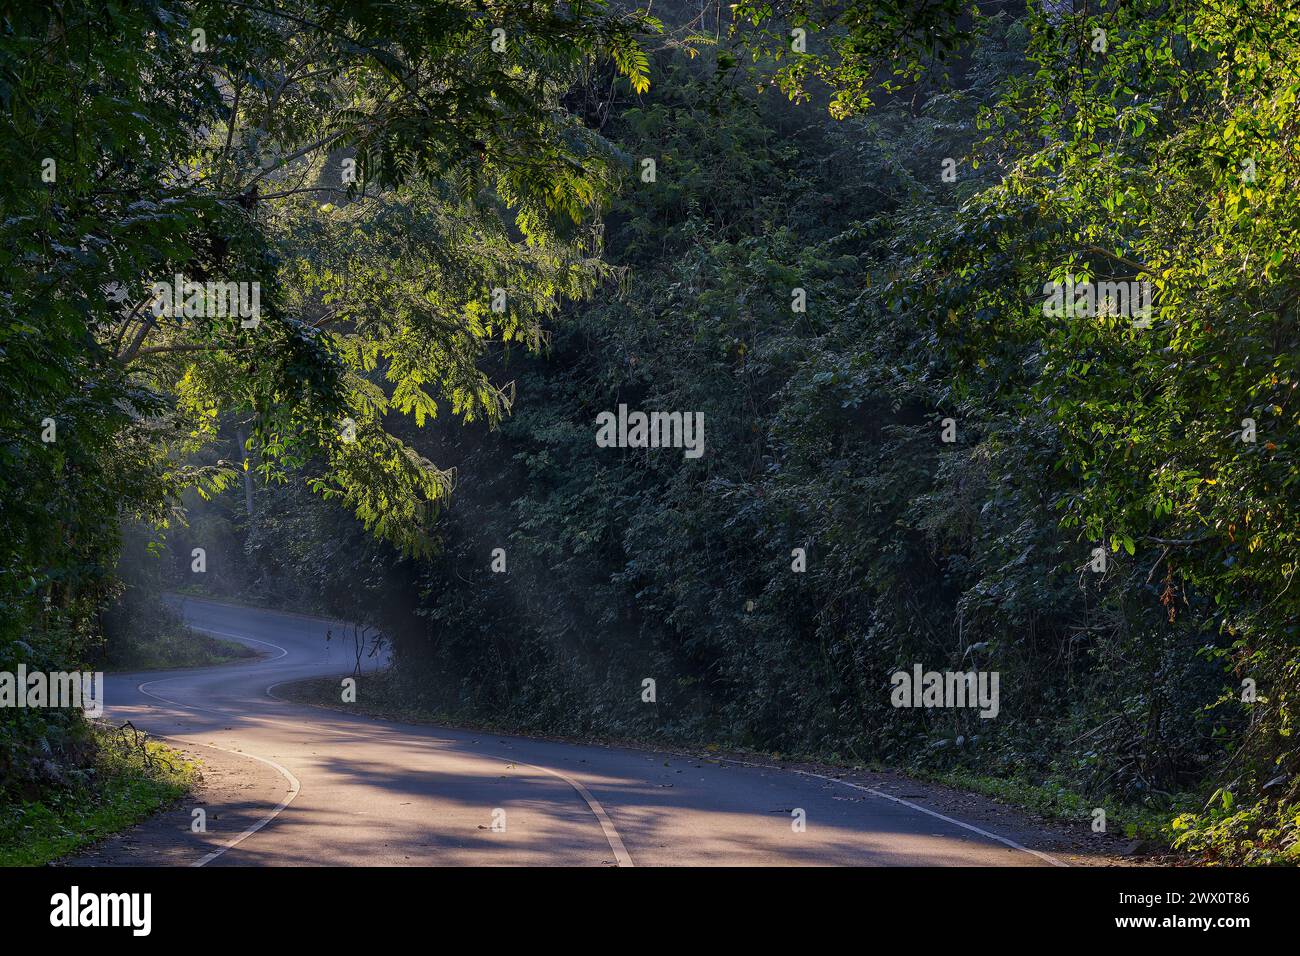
point(290, 784)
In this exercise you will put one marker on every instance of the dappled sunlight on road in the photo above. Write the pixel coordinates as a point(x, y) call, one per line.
point(351, 790)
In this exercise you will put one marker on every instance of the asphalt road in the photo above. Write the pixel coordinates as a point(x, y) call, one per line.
point(298, 785)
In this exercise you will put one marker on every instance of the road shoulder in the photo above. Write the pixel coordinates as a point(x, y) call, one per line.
point(234, 793)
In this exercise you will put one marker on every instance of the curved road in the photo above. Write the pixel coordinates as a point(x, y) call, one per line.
point(314, 786)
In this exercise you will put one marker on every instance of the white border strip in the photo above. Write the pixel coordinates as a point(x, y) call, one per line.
point(611, 835)
point(934, 813)
point(889, 796)
point(295, 787)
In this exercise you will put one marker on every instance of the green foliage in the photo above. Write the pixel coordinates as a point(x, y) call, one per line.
point(1266, 833)
point(822, 433)
point(1158, 153)
point(1158, 161)
point(130, 778)
point(164, 138)
point(859, 48)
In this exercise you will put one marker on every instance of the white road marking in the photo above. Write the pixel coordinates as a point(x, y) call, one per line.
point(616, 845)
point(611, 835)
point(934, 813)
point(907, 803)
point(242, 637)
point(295, 787)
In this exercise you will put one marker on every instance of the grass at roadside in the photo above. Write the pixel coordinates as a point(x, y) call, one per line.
point(145, 633)
point(376, 696)
point(1061, 803)
point(175, 647)
point(132, 777)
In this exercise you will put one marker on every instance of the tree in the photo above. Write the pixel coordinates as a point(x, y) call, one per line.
point(165, 143)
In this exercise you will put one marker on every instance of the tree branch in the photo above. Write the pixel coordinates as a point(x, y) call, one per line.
point(191, 347)
point(1131, 263)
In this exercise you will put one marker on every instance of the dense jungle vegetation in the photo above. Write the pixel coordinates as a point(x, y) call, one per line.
point(840, 260)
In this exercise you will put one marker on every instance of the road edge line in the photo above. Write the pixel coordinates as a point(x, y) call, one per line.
point(295, 786)
point(907, 803)
point(621, 856)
